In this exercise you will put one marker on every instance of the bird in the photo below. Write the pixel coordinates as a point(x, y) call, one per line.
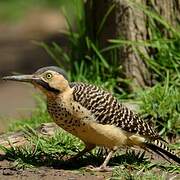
point(94, 115)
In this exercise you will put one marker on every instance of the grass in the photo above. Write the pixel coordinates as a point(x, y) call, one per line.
point(139, 174)
point(162, 104)
point(43, 150)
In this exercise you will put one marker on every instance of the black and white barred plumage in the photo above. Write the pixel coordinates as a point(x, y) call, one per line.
point(107, 110)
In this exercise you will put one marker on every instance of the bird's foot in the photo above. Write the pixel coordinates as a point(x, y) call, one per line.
point(99, 169)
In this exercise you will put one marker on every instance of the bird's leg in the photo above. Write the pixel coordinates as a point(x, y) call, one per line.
point(103, 167)
point(88, 147)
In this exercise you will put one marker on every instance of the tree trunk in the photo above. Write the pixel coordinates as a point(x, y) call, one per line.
point(128, 23)
point(131, 25)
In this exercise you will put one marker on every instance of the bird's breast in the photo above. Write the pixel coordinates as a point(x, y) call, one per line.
point(79, 122)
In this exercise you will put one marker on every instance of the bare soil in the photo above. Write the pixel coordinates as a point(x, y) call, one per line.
point(46, 173)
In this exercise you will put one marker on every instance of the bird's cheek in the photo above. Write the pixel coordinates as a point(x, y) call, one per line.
point(53, 84)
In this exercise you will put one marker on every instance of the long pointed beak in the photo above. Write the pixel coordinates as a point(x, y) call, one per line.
point(21, 78)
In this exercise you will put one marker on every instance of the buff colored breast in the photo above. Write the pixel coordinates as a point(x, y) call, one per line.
point(77, 120)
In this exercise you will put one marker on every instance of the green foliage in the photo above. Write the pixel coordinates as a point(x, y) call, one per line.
point(125, 174)
point(43, 150)
point(162, 102)
point(130, 158)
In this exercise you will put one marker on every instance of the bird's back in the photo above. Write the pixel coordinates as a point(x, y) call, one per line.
point(108, 111)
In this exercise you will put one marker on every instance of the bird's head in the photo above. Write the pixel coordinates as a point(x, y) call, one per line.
point(51, 80)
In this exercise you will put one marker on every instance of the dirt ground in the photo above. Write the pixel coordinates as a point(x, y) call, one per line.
point(46, 173)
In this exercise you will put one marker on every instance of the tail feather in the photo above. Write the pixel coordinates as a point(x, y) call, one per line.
point(161, 149)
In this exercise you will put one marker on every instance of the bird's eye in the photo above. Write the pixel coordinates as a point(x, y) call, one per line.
point(48, 76)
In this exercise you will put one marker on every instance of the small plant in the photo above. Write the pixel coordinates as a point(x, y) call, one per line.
point(162, 103)
point(43, 150)
point(130, 174)
point(148, 171)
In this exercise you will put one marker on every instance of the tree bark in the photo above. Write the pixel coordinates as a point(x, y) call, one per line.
point(170, 10)
point(129, 23)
